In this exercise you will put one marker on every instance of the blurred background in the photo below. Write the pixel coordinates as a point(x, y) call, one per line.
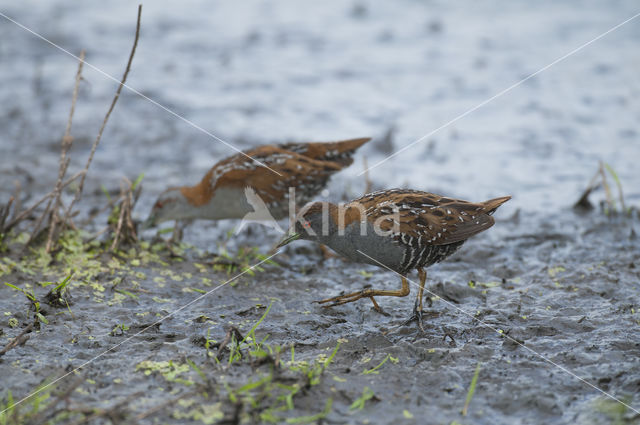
point(282, 71)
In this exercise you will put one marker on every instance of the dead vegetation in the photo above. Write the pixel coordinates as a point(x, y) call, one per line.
point(56, 217)
point(610, 204)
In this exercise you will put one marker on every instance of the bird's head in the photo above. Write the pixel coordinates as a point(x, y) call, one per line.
point(170, 205)
point(314, 222)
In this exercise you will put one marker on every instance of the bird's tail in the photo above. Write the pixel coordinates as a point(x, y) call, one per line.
point(492, 205)
point(340, 152)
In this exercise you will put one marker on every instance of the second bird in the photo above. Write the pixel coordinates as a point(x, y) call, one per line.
point(267, 171)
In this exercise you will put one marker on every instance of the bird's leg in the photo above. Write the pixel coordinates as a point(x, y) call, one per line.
point(178, 231)
point(376, 307)
point(417, 307)
point(367, 293)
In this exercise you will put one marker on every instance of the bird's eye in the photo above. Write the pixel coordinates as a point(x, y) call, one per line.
point(306, 224)
point(158, 205)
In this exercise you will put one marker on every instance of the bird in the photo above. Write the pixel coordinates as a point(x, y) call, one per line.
point(396, 229)
point(230, 189)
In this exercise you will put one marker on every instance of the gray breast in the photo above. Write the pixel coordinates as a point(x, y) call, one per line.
point(366, 246)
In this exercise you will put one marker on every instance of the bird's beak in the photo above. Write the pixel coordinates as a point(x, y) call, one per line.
point(287, 239)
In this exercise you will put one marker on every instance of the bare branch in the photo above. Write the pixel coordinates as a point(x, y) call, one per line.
point(20, 339)
point(25, 213)
point(67, 141)
point(106, 119)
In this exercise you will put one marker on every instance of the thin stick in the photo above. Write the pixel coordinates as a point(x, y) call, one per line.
point(123, 209)
point(36, 228)
point(233, 331)
point(5, 213)
point(583, 202)
point(25, 213)
point(67, 141)
point(16, 195)
point(20, 339)
point(106, 118)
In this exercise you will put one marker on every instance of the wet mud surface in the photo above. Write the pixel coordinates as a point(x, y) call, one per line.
point(546, 301)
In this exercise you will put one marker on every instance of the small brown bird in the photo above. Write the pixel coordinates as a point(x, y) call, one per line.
point(398, 229)
point(222, 193)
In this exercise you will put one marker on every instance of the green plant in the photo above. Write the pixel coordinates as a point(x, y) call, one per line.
point(34, 302)
point(359, 403)
point(472, 389)
point(375, 369)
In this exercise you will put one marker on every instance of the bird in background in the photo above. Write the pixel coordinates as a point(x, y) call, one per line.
point(269, 171)
point(398, 229)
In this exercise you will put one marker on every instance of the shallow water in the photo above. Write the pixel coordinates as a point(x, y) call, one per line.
point(564, 284)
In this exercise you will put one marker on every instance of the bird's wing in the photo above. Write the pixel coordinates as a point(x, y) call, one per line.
point(413, 216)
point(340, 152)
point(283, 169)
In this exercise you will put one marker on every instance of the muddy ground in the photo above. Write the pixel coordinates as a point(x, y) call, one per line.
point(546, 302)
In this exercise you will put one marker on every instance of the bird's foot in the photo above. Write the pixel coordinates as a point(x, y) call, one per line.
point(340, 299)
point(349, 298)
point(416, 316)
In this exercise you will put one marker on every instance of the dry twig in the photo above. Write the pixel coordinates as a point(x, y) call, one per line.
point(607, 191)
point(24, 214)
point(4, 213)
point(125, 230)
point(94, 147)
point(231, 333)
point(583, 202)
point(67, 141)
point(19, 340)
point(17, 200)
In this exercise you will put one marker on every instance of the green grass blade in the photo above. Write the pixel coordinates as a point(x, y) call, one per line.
point(329, 359)
point(375, 369)
point(197, 369)
point(254, 327)
point(64, 283)
point(618, 184)
point(360, 402)
point(472, 389)
point(137, 182)
point(14, 287)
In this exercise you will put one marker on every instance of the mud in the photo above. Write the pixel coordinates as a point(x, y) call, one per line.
point(546, 301)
